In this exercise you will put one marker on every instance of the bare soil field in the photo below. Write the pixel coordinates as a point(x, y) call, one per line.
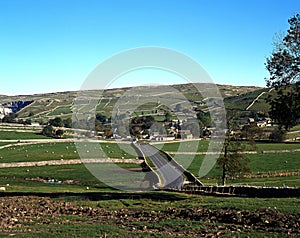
point(22, 215)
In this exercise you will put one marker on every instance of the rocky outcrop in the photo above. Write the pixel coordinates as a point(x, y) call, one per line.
point(17, 105)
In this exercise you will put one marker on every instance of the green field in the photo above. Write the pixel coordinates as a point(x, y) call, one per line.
point(64, 150)
point(277, 146)
point(60, 110)
point(13, 135)
point(242, 101)
point(202, 146)
point(259, 164)
point(19, 127)
point(38, 152)
point(285, 181)
point(5, 143)
point(274, 162)
point(26, 179)
point(184, 146)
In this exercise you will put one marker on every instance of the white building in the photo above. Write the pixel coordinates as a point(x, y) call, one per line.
point(163, 138)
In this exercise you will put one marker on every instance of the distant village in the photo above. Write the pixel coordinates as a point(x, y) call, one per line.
point(145, 127)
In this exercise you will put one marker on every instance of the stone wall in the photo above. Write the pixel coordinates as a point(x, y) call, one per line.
point(244, 191)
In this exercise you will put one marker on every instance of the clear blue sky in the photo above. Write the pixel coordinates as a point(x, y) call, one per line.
point(52, 45)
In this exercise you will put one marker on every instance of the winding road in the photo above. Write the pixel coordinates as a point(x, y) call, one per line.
point(172, 178)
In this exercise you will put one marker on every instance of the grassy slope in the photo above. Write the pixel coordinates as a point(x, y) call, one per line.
point(241, 102)
point(47, 106)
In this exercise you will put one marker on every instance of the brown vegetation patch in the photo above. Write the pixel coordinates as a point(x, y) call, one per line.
point(18, 213)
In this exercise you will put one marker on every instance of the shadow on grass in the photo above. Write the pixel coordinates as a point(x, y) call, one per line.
point(97, 196)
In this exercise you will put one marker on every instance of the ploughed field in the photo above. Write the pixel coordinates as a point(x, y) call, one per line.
point(160, 215)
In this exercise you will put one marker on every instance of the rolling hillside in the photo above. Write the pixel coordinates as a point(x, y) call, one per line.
point(50, 105)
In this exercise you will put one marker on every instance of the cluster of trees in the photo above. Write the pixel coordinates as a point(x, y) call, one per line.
point(103, 125)
point(100, 124)
point(51, 129)
point(140, 125)
point(204, 119)
point(10, 118)
point(59, 122)
point(51, 132)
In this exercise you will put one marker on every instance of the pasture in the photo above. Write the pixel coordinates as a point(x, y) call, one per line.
point(15, 135)
point(267, 167)
point(23, 152)
point(202, 146)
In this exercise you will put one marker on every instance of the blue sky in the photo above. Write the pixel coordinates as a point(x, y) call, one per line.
point(52, 45)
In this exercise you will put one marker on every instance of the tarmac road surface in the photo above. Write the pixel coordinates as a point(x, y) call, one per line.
point(172, 178)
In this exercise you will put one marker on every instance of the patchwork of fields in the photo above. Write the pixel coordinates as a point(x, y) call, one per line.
point(86, 210)
point(271, 164)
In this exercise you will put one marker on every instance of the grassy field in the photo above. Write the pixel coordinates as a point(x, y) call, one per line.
point(274, 162)
point(29, 179)
point(295, 128)
point(293, 133)
point(153, 214)
point(13, 135)
point(60, 110)
point(286, 181)
point(4, 127)
point(63, 150)
point(38, 152)
point(276, 146)
point(5, 143)
point(162, 200)
point(185, 146)
point(202, 145)
point(259, 164)
point(263, 162)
